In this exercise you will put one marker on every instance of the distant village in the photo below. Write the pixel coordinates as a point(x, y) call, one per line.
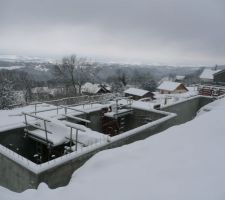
point(169, 89)
point(24, 83)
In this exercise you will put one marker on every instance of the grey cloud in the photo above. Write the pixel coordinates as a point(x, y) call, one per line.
point(183, 31)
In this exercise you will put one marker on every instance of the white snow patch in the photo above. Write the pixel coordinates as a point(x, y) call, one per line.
point(41, 68)
point(11, 67)
point(90, 88)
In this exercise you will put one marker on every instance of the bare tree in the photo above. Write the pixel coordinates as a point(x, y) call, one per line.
point(71, 72)
point(27, 86)
point(81, 76)
point(122, 77)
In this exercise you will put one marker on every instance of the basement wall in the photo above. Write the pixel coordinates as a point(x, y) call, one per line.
point(18, 178)
point(187, 110)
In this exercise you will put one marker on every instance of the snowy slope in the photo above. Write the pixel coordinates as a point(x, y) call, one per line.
point(182, 163)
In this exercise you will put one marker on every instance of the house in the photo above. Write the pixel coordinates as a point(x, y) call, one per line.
point(169, 87)
point(207, 76)
point(89, 88)
point(137, 94)
point(219, 77)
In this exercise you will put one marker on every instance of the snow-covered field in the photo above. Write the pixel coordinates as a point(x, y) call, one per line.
point(182, 163)
point(11, 67)
point(41, 68)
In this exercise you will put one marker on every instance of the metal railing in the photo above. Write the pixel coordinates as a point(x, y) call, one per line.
point(74, 126)
point(37, 127)
point(45, 120)
point(67, 100)
point(83, 104)
point(78, 119)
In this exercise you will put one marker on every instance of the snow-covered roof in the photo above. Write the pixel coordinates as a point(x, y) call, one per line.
point(169, 85)
point(136, 92)
point(90, 88)
point(208, 74)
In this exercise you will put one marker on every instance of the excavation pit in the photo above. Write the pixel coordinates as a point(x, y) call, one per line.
point(21, 168)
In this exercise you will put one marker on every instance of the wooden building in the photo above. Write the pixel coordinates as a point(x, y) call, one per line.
point(207, 75)
point(169, 87)
point(219, 77)
point(91, 89)
point(137, 94)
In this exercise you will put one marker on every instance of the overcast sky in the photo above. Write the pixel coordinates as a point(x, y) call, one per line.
point(174, 32)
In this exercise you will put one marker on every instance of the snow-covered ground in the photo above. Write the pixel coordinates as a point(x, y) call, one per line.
point(41, 68)
point(17, 58)
point(167, 99)
point(182, 163)
point(12, 67)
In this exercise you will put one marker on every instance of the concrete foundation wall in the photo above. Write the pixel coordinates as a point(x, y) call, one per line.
point(15, 141)
point(18, 178)
point(187, 110)
point(61, 175)
point(15, 177)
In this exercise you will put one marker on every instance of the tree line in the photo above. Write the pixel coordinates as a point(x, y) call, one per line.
point(71, 73)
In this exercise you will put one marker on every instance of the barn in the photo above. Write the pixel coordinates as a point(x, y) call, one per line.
point(169, 87)
point(137, 94)
point(219, 77)
point(207, 75)
point(92, 89)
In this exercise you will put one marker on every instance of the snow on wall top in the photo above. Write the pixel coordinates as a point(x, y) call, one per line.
point(136, 92)
point(208, 74)
point(168, 85)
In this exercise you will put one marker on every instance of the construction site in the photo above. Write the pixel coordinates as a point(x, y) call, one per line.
point(57, 138)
